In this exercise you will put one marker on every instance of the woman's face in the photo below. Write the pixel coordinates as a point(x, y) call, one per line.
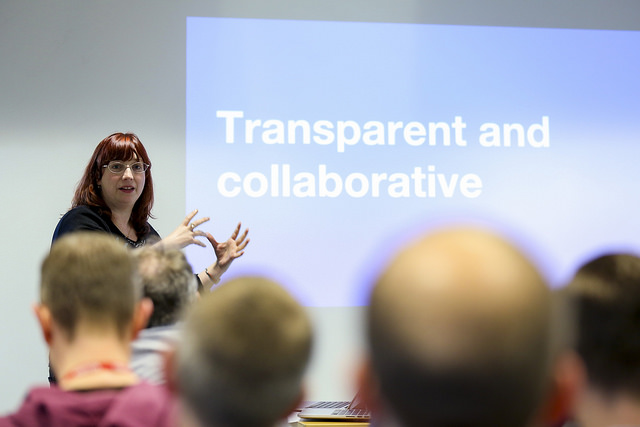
point(121, 190)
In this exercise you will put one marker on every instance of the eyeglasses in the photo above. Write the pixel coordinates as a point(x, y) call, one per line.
point(118, 167)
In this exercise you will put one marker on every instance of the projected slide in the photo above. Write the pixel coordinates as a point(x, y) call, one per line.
point(332, 141)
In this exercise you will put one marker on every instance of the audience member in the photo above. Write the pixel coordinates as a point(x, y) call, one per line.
point(243, 353)
point(606, 292)
point(167, 280)
point(462, 332)
point(90, 309)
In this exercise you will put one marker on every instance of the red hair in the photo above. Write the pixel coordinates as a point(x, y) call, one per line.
point(117, 146)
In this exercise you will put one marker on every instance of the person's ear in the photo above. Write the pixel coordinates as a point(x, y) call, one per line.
point(567, 380)
point(141, 316)
point(43, 315)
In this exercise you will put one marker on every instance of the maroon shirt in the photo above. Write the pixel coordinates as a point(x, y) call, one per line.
point(135, 406)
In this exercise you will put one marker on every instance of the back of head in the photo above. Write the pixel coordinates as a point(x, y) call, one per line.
point(606, 291)
point(244, 351)
point(90, 277)
point(168, 280)
point(459, 332)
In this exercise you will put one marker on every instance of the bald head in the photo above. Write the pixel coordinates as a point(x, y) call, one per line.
point(458, 322)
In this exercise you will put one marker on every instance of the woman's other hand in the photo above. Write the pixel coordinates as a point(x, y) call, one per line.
point(230, 249)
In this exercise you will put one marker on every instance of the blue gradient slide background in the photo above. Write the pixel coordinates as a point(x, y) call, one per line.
point(570, 200)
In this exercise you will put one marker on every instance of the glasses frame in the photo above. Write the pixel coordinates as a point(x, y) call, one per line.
point(145, 167)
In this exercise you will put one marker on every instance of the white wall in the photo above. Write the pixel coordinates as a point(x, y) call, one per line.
point(72, 72)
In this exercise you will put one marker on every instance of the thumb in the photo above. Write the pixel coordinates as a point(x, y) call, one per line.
point(212, 240)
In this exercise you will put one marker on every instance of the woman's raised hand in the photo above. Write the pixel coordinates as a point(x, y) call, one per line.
point(230, 249)
point(186, 234)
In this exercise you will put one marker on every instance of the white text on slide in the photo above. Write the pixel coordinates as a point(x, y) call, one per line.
point(279, 181)
point(344, 133)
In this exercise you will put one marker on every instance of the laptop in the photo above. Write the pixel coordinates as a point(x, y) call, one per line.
point(354, 410)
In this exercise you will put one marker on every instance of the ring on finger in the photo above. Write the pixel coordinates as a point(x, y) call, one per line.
point(192, 226)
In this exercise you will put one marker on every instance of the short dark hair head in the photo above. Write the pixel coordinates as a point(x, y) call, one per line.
point(606, 293)
point(167, 280)
point(244, 350)
point(90, 277)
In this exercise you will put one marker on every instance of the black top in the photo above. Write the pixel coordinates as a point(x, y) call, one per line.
point(88, 218)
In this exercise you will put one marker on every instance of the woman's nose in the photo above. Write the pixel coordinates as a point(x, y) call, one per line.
point(128, 174)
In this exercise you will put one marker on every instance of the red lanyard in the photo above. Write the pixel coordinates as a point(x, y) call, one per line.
point(96, 366)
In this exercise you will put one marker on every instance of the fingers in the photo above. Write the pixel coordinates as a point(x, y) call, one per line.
point(243, 245)
point(240, 248)
point(211, 239)
point(198, 222)
point(194, 241)
point(236, 231)
point(189, 217)
point(244, 236)
point(195, 223)
point(199, 243)
point(240, 242)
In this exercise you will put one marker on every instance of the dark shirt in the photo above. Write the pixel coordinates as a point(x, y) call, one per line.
point(88, 218)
